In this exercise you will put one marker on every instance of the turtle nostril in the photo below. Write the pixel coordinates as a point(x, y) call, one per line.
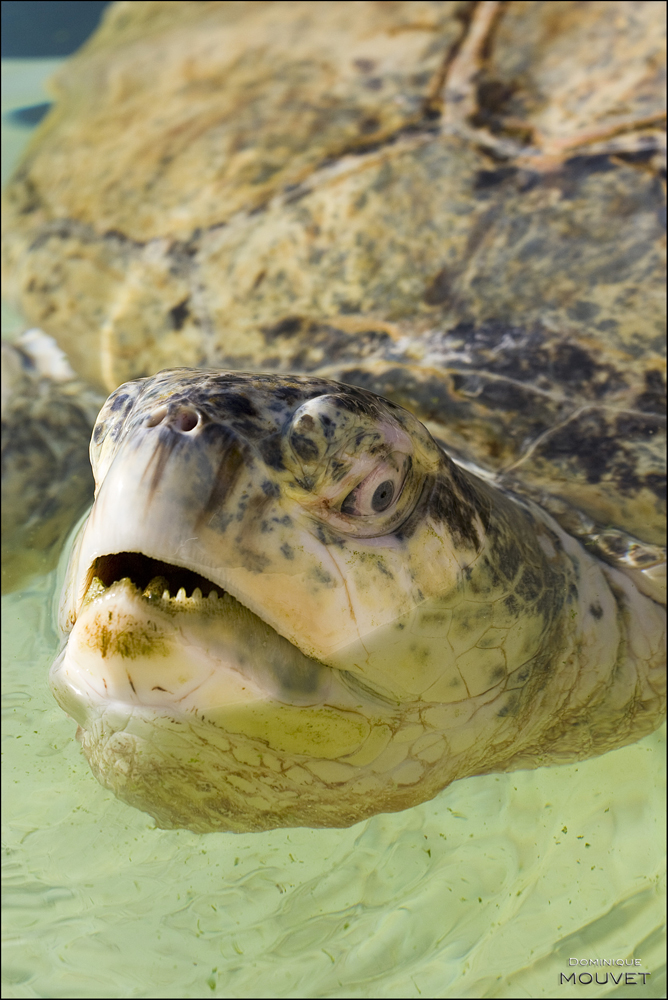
point(157, 416)
point(185, 420)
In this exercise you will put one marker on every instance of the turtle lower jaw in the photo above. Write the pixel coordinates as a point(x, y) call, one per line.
point(154, 635)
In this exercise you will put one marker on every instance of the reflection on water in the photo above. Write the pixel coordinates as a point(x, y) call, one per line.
point(486, 891)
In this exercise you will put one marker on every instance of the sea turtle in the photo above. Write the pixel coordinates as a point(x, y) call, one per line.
point(455, 206)
point(290, 607)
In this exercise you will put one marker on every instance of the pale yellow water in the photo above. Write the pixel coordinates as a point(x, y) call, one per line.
point(487, 891)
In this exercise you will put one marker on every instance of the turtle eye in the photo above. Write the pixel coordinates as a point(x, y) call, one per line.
point(377, 492)
point(382, 495)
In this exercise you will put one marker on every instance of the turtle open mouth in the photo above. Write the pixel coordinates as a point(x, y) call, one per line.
point(291, 676)
point(149, 574)
point(163, 628)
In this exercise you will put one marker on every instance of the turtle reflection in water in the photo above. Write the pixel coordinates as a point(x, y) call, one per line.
point(297, 601)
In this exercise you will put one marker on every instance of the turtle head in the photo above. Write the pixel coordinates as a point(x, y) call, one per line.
point(309, 501)
point(247, 600)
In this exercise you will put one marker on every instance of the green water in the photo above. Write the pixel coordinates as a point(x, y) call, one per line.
point(487, 891)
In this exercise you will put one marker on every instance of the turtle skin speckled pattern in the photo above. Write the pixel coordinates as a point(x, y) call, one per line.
point(290, 607)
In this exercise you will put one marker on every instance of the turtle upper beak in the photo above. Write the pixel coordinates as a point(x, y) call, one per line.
point(190, 491)
point(168, 488)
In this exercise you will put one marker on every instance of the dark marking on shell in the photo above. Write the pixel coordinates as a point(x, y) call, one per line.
point(298, 192)
point(597, 447)
point(485, 180)
point(653, 399)
point(632, 425)
point(440, 288)
point(533, 355)
point(179, 314)
point(287, 327)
